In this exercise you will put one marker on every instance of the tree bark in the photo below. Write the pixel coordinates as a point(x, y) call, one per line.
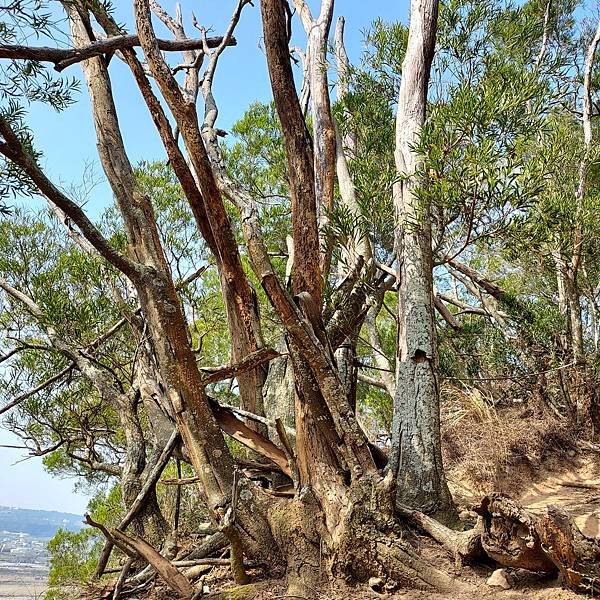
point(576, 556)
point(416, 459)
point(166, 323)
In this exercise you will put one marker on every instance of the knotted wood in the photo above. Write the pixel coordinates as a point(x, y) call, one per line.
point(510, 535)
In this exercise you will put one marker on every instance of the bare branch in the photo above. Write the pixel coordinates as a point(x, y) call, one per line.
point(446, 313)
point(306, 274)
point(13, 149)
point(343, 63)
point(250, 362)
point(36, 389)
point(94, 465)
point(372, 381)
point(140, 500)
point(65, 57)
point(545, 36)
point(239, 431)
point(305, 15)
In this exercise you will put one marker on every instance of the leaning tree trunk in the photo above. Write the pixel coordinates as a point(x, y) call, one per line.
point(150, 522)
point(416, 458)
point(342, 523)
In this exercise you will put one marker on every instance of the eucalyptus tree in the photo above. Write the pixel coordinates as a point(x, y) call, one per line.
point(65, 378)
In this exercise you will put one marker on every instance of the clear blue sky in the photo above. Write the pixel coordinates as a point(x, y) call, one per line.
point(68, 143)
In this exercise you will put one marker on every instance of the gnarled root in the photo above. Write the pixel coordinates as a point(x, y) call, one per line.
point(464, 546)
point(374, 545)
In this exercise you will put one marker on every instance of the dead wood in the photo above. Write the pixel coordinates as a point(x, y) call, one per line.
point(510, 535)
point(64, 57)
point(121, 580)
point(576, 555)
point(211, 545)
point(141, 499)
point(172, 576)
point(239, 431)
point(463, 545)
point(579, 484)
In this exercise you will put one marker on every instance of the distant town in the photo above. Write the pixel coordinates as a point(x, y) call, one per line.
point(22, 548)
point(24, 535)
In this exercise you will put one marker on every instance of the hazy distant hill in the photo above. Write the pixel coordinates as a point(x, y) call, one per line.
point(37, 523)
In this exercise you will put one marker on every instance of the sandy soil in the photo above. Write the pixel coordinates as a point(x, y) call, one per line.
point(22, 585)
point(576, 489)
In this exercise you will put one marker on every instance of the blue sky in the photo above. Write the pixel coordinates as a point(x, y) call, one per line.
point(68, 142)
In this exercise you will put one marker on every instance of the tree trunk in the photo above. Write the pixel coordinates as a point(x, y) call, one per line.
point(416, 458)
point(150, 522)
point(167, 328)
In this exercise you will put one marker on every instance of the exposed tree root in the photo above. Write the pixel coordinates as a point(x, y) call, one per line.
point(464, 546)
point(516, 539)
point(368, 541)
point(374, 545)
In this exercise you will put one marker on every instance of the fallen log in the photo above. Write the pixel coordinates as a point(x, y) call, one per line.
point(580, 484)
point(510, 535)
point(576, 555)
point(212, 544)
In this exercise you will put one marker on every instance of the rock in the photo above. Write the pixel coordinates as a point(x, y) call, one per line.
point(464, 515)
point(500, 579)
point(572, 453)
point(376, 583)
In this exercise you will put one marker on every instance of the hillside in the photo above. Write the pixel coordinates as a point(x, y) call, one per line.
point(37, 523)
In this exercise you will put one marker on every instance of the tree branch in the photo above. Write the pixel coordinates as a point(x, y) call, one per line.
point(65, 57)
point(13, 150)
point(250, 362)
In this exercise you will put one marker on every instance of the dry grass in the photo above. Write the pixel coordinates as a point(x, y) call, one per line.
point(501, 449)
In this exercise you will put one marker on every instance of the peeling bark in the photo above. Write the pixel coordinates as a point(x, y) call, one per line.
point(576, 556)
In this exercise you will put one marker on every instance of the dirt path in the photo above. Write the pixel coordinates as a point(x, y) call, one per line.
point(577, 489)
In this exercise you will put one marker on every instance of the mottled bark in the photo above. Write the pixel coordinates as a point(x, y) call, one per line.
point(149, 522)
point(202, 194)
point(317, 31)
point(166, 324)
point(416, 459)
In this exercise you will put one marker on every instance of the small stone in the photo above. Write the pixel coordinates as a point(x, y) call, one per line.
point(464, 515)
point(572, 453)
point(500, 579)
point(375, 583)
